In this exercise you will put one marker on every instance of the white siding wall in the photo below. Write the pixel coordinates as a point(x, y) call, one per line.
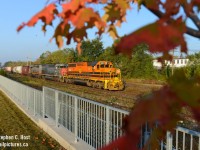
point(180, 62)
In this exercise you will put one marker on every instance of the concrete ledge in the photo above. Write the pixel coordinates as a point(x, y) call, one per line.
point(60, 134)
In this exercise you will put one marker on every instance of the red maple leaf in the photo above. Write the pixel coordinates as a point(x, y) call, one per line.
point(161, 36)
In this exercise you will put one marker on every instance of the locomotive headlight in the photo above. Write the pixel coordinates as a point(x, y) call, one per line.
point(118, 71)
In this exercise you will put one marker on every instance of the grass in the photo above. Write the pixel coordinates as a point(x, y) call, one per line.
point(122, 99)
point(14, 122)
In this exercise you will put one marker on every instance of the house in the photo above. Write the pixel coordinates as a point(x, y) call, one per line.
point(177, 63)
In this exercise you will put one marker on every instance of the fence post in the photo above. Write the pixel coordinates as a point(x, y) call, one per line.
point(76, 119)
point(43, 101)
point(107, 124)
point(27, 97)
point(169, 141)
point(56, 107)
point(34, 103)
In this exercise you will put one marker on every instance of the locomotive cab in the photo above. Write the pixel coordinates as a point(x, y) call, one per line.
point(97, 74)
point(106, 68)
point(112, 76)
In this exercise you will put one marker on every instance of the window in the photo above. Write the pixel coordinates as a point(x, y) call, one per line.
point(97, 66)
point(181, 61)
point(106, 66)
point(72, 65)
point(185, 61)
point(177, 61)
point(102, 66)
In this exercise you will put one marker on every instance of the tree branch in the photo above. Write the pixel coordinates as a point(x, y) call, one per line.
point(193, 32)
point(195, 19)
point(192, 16)
point(189, 31)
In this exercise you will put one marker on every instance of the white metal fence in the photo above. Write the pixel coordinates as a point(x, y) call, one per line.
point(92, 122)
point(27, 96)
point(95, 123)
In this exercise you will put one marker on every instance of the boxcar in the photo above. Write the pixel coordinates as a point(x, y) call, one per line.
point(8, 69)
point(34, 70)
point(25, 70)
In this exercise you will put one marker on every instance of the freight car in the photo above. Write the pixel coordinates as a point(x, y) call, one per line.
point(34, 70)
point(25, 70)
point(97, 74)
point(48, 71)
point(8, 69)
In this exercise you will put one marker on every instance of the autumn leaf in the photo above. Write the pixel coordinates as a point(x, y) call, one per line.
point(151, 4)
point(196, 3)
point(77, 35)
point(113, 32)
point(85, 15)
point(111, 13)
point(47, 15)
point(61, 30)
point(122, 5)
point(72, 6)
point(163, 106)
point(171, 7)
point(160, 36)
point(79, 48)
point(126, 142)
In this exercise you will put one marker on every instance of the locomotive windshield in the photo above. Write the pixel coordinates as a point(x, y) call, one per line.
point(105, 64)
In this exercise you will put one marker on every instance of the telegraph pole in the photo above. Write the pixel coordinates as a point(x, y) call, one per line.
point(172, 62)
point(28, 61)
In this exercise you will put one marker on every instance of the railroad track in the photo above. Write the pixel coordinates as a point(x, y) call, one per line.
point(122, 99)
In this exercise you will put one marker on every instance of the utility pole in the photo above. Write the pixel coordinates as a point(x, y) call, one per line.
point(172, 62)
point(28, 61)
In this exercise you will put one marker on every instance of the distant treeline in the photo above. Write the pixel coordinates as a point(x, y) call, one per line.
point(139, 65)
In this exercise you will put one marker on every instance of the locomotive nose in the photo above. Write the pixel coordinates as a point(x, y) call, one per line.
point(118, 71)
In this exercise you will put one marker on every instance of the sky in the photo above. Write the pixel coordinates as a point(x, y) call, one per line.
point(30, 42)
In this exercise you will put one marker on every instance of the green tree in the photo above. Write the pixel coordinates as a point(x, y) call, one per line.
point(56, 57)
point(193, 67)
point(163, 35)
point(91, 50)
point(139, 65)
point(42, 58)
point(71, 55)
point(14, 63)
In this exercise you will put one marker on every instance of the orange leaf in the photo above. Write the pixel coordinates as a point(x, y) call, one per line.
point(123, 5)
point(160, 36)
point(85, 15)
point(46, 15)
point(73, 6)
point(61, 30)
point(111, 13)
point(113, 32)
point(79, 48)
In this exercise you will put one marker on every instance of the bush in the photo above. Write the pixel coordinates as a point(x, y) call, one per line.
point(2, 72)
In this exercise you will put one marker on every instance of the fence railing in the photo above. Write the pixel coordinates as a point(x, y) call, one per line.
point(95, 123)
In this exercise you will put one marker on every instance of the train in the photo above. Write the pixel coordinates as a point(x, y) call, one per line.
point(96, 74)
